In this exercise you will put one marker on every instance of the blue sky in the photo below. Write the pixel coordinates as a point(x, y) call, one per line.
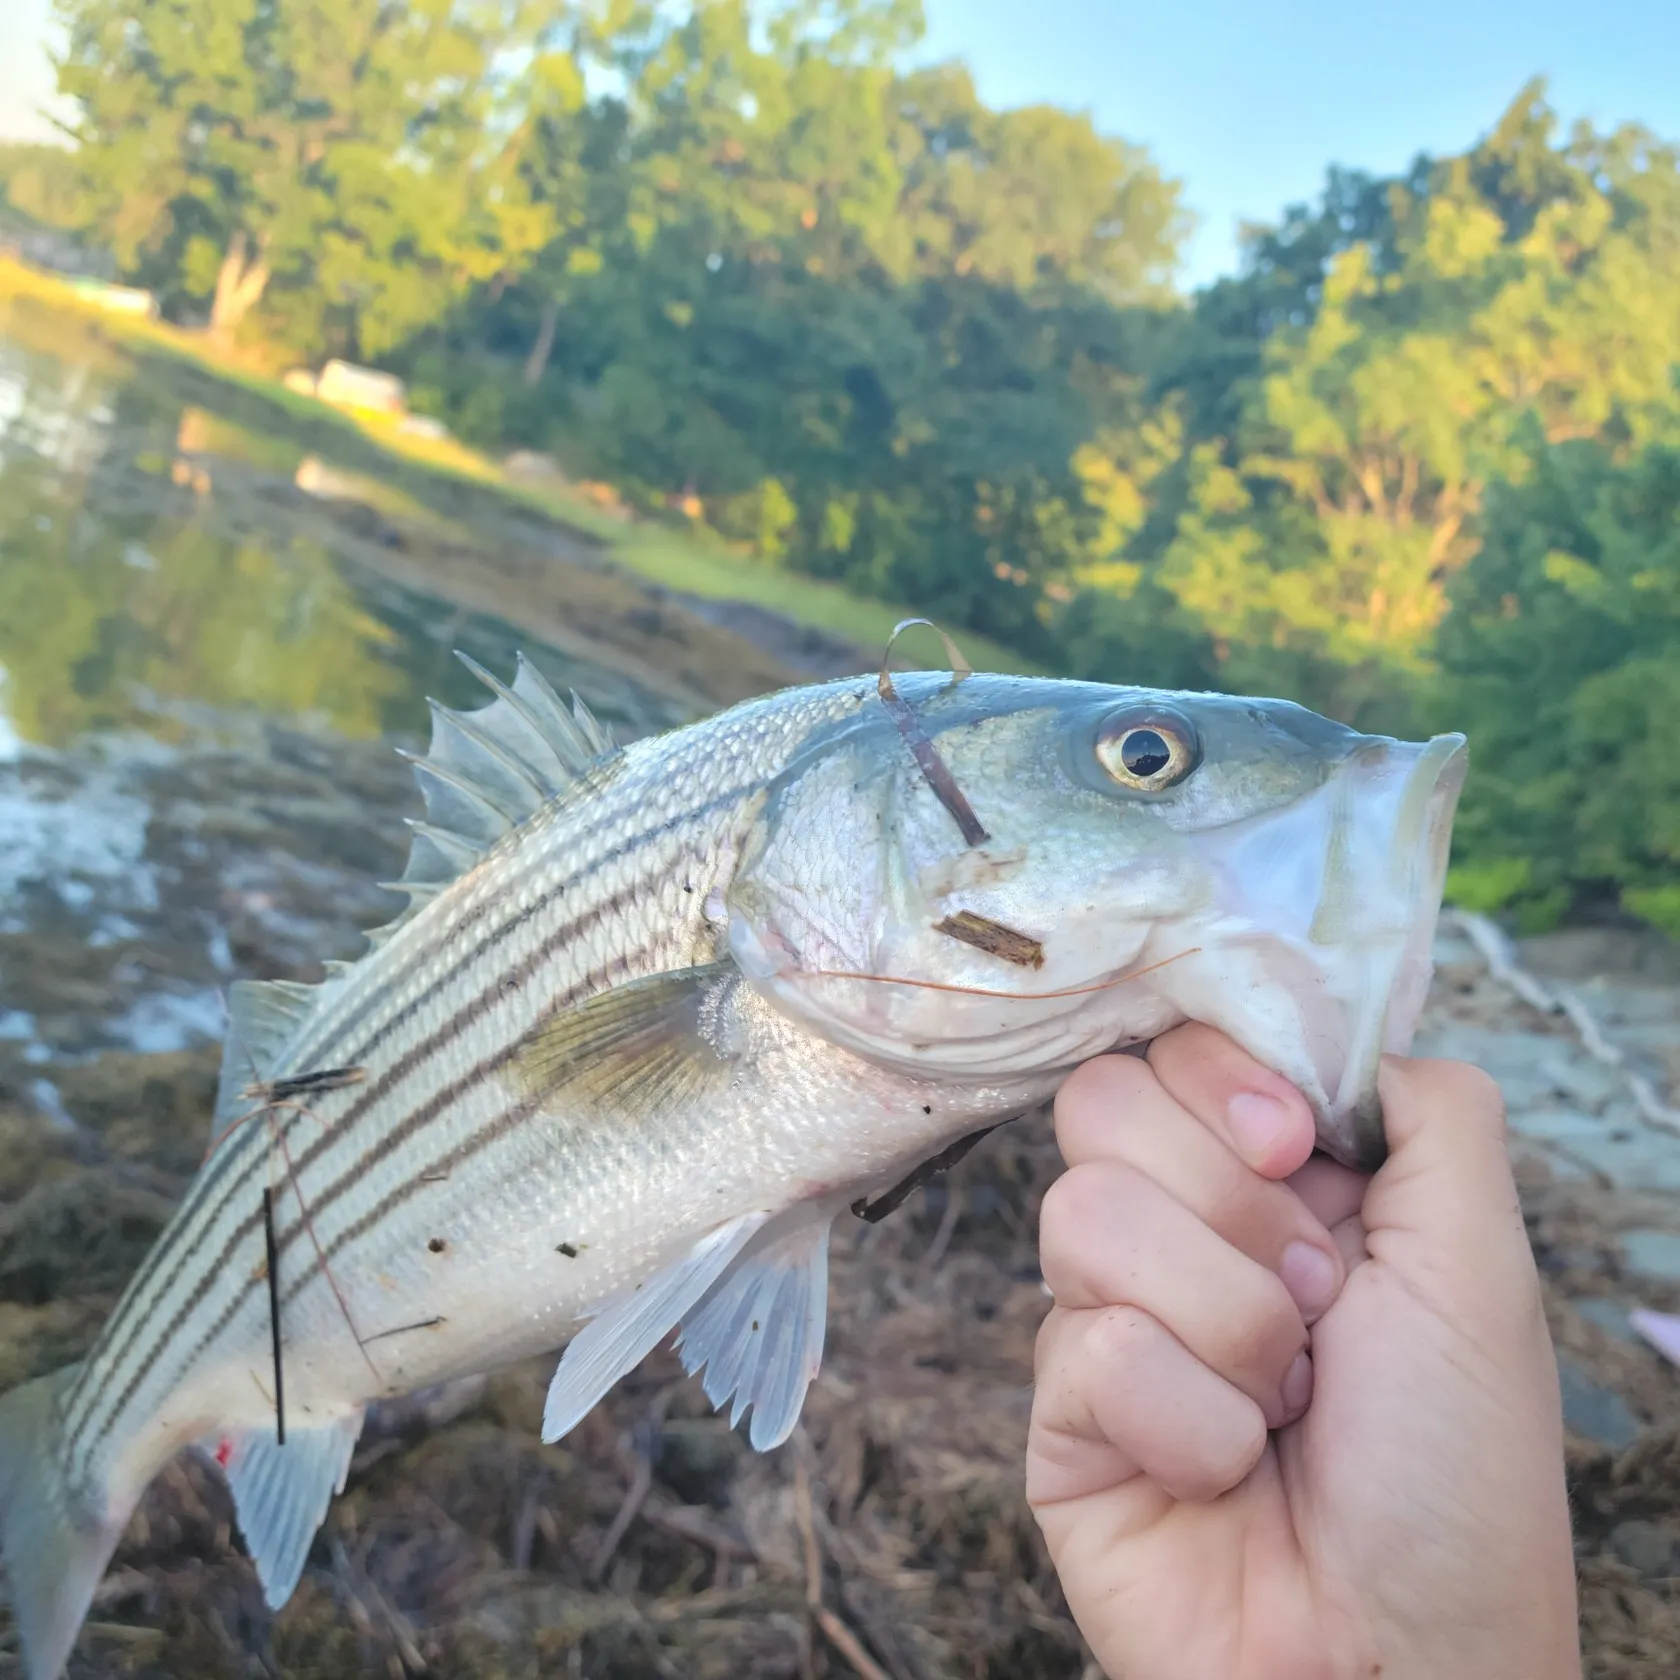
point(1244, 101)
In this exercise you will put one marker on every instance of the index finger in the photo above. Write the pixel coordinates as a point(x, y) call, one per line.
point(1263, 1118)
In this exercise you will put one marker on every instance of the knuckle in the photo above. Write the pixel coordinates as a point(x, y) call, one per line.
point(1091, 1092)
point(1203, 1055)
point(1480, 1095)
point(1471, 1093)
point(1116, 1335)
point(1265, 1335)
point(1051, 1335)
point(1182, 1047)
point(1085, 1199)
point(1233, 1201)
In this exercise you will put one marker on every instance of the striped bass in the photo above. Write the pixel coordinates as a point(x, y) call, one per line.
point(656, 1015)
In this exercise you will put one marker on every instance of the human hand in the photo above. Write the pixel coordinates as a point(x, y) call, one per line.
point(1227, 1498)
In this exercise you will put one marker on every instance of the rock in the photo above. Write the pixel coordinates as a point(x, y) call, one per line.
point(526, 466)
point(1609, 1316)
point(346, 385)
point(1654, 1254)
point(423, 426)
point(1594, 1411)
point(1646, 1546)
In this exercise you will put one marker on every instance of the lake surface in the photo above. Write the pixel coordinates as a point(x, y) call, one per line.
point(212, 635)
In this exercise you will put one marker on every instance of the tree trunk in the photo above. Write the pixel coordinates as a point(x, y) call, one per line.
point(538, 359)
point(239, 284)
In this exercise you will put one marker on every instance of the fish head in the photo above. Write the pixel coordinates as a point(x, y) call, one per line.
point(1000, 877)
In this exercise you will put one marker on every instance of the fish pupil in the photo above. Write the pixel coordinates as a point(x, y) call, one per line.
point(1145, 753)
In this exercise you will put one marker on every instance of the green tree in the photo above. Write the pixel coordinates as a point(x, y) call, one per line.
point(1561, 658)
point(1348, 402)
point(802, 280)
point(39, 185)
point(332, 154)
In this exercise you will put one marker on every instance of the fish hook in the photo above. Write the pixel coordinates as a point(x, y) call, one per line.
point(934, 769)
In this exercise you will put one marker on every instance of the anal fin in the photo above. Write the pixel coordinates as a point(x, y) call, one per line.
point(759, 1333)
point(282, 1492)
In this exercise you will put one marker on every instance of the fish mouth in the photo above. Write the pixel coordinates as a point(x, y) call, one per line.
point(1385, 867)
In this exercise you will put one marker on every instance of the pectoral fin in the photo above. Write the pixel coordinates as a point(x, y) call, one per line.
point(638, 1048)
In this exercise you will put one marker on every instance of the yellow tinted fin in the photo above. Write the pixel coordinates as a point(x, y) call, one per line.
point(639, 1048)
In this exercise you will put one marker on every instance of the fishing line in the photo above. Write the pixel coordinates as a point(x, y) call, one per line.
point(987, 992)
point(276, 1096)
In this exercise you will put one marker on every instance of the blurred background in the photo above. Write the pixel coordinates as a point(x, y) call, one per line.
point(1199, 350)
point(1309, 349)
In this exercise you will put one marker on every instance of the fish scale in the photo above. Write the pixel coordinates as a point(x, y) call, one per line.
point(528, 878)
point(655, 1017)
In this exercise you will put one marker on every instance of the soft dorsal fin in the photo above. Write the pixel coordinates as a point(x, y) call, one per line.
point(263, 1017)
point(486, 771)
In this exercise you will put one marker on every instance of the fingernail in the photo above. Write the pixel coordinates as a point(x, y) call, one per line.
point(1255, 1122)
point(1297, 1387)
point(1310, 1276)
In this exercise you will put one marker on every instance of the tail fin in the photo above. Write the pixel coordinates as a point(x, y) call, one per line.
point(53, 1548)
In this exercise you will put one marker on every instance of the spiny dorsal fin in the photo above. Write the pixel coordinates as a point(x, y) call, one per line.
point(263, 1017)
point(487, 771)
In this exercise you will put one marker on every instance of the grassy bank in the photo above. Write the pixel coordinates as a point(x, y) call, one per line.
point(690, 561)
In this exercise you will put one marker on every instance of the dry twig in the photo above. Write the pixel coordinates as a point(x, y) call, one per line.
point(833, 1629)
point(642, 1439)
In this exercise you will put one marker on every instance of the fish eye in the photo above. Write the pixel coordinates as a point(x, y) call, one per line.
point(1149, 751)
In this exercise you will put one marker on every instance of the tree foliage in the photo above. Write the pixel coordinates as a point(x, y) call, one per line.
point(1562, 658)
point(738, 259)
point(330, 153)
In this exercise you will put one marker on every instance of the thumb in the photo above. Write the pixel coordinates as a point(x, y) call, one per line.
point(1444, 1206)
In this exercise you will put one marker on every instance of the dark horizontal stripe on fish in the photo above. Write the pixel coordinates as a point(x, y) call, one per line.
point(361, 1055)
point(415, 1123)
point(121, 1327)
point(421, 1117)
point(82, 1403)
point(519, 1113)
point(331, 1030)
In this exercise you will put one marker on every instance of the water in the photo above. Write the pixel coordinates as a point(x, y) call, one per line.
point(212, 634)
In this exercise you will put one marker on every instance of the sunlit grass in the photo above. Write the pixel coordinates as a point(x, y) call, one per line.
point(690, 562)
